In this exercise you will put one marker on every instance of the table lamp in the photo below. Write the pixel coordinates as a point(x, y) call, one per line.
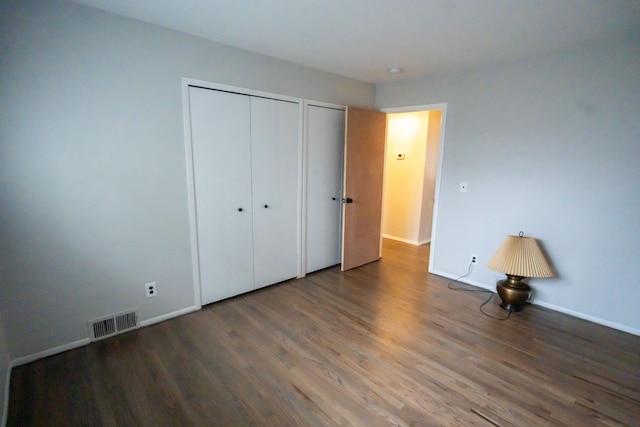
point(518, 257)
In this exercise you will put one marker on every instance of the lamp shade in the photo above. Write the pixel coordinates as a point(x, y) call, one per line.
point(520, 256)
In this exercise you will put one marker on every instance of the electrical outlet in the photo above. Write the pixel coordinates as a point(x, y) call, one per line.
point(151, 289)
point(474, 259)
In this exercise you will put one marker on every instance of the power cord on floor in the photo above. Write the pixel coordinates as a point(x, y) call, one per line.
point(473, 289)
point(490, 315)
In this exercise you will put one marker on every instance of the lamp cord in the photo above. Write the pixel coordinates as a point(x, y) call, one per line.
point(460, 288)
point(490, 315)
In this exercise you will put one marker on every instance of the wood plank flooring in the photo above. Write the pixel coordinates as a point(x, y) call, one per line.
point(384, 344)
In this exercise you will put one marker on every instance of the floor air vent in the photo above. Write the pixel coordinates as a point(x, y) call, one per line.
point(113, 325)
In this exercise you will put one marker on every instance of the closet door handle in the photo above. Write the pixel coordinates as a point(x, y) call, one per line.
point(239, 209)
point(333, 198)
point(347, 200)
point(266, 206)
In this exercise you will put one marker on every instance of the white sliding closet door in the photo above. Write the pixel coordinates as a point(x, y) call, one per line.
point(221, 141)
point(274, 146)
point(325, 142)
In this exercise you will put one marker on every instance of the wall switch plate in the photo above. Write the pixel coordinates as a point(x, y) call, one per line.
point(463, 186)
point(151, 289)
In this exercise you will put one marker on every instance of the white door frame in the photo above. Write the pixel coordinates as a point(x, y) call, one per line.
point(436, 203)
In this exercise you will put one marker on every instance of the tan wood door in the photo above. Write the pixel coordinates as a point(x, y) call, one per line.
point(365, 138)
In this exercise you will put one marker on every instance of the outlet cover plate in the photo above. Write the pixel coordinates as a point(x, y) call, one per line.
point(151, 289)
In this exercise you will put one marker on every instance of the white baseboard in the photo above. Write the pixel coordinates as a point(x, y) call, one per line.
point(49, 352)
point(465, 280)
point(579, 315)
point(168, 316)
point(411, 242)
point(70, 346)
point(84, 341)
point(613, 325)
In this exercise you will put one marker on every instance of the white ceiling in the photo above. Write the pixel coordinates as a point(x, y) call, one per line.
point(363, 38)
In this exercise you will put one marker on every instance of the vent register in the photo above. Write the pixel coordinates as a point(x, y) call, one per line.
point(114, 324)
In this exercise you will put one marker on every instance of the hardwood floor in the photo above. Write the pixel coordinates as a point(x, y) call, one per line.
point(384, 344)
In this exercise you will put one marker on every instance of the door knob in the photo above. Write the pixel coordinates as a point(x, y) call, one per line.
point(239, 209)
point(333, 198)
point(266, 206)
point(347, 200)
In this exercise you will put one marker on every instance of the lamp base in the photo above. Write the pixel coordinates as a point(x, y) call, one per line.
point(513, 293)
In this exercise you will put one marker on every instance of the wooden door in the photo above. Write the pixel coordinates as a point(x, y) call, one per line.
point(325, 145)
point(274, 154)
point(220, 133)
point(363, 179)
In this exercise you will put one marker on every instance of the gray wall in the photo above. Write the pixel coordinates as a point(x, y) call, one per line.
point(92, 170)
point(552, 147)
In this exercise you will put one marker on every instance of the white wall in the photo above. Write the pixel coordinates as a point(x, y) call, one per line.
point(92, 169)
point(551, 147)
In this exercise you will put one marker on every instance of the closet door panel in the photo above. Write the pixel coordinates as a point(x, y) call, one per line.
point(274, 136)
point(222, 176)
point(325, 143)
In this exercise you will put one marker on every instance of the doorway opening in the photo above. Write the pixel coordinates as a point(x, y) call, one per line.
point(412, 163)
